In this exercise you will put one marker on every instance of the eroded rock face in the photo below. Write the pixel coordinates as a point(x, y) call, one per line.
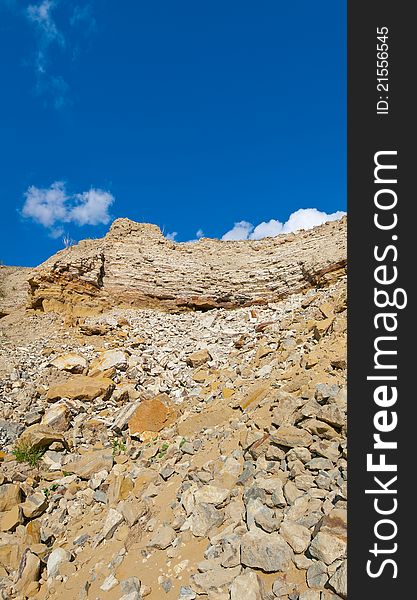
point(135, 265)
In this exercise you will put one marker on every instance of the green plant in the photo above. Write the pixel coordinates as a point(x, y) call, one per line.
point(182, 442)
point(23, 452)
point(162, 450)
point(118, 446)
point(51, 488)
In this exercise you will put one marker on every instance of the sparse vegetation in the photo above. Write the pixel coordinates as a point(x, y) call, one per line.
point(118, 446)
point(162, 451)
point(24, 453)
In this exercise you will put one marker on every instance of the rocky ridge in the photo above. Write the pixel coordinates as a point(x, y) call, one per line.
point(134, 265)
point(197, 455)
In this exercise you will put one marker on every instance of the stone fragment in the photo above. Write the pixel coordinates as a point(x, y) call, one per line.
point(56, 560)
point(163, 537)
point(254, 395)
point(28, 574)
point(204, 517)
point(320, 428)
point(297, 536)
point(90, 463)
point(339, 580)
point(109, 583)
point(10, 519)
point(186, 593)
point(81, 387)
point(266, 551)
point(72, 362)
point(113, 520)
point(10, 495)
point(110, 359)
point(34, 505)
point(198, 358)
point(57, 417)
point(211, 494)
point(317, 575)
point(152, 415)
point(214, 579)
point(246, 586)
point(41, 437)
point(327, 547)
point(291, 436)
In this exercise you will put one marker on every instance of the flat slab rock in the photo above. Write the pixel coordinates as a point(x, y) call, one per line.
point(152, 415)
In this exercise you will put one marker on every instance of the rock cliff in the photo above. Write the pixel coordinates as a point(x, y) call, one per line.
point(134, 265)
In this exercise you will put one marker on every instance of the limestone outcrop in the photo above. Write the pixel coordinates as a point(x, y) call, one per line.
point(135, 266)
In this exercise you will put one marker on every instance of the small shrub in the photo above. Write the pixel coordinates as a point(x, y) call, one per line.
point(118, 446)
point(25, 453)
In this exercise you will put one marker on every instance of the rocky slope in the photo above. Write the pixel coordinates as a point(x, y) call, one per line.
point(184, 455)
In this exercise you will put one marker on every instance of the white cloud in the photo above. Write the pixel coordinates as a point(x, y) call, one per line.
point(199, 234)
point(171, 236)
point(92, 207)
point(240, 231)
point(53, 206)
point(304, 218)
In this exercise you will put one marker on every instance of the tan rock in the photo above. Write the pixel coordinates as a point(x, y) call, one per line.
point(153, 415)
point(57, 417)
point(10, 519)
point(90, 463)
point(28, 573)
point(255, 394)
point(81, 387)
point(320, 428)
point(110, 359)
point(10, 495)
point(9, 553)
point(179, 277)
point(291, 436)
point(33, 532)
point(72, 362)
point(120, 488)
point(41, 436)
point(34, 505)
point(327, 547)
point(196, 359)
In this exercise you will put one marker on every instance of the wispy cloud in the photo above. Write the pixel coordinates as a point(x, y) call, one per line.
point(304, 218)
point(49, 85)
point(61, 30)
point(53, 207)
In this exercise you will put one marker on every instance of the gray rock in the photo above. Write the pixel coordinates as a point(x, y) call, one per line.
point(100, 496)
point(205, 517)
point(163, 537)
point(263, 516)
point(186, 593)
point(9, 432)
point(214, 579)
point(246, 586)
point(339, 580)
point(132, 584)
point(317, 575)
point(166, 472)
point(266, 551)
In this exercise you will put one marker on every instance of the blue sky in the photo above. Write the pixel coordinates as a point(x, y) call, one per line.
point(191, 115)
